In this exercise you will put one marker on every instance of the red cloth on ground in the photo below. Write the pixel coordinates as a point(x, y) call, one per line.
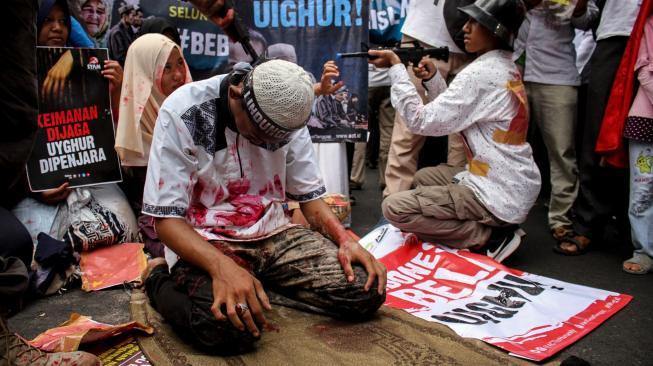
point(610, 142)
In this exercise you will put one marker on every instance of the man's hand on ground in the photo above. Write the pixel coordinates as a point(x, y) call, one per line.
point(233, 285)
point(352, 252)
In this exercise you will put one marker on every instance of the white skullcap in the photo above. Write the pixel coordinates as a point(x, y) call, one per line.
point(278, 97)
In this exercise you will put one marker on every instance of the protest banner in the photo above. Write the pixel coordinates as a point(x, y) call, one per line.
point(75, 137)
point(385, 21)
point(311, 33)
point(308, 33)
point(530, 316)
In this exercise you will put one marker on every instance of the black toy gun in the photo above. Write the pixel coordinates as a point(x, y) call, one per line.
point(407, 54)
point(238, 31)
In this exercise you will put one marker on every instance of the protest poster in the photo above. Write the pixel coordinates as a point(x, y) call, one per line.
point(75, 137)
point(308, 33)
point(530, 316)
point(386, 19)
point(205, 46)
point(125, 353)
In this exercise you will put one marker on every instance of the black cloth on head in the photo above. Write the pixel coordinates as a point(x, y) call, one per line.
point(159, 25)
point(44, 11)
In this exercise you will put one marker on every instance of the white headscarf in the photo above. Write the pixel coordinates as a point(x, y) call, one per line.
point(141, 96)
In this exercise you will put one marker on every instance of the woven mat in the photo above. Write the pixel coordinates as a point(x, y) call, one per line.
point(393, 337)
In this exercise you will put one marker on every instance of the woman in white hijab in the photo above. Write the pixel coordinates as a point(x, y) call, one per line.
point(154, 68)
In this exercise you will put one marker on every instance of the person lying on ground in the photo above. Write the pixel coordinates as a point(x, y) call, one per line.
point(226, 153)
point(478, 206)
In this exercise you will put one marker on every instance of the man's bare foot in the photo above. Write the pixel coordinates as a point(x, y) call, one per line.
point(153, 263)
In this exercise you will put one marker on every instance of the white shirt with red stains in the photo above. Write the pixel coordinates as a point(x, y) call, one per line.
point(225, 187)
point(487, 104)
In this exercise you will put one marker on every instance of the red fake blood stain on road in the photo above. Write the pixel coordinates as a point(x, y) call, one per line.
point(342, 336)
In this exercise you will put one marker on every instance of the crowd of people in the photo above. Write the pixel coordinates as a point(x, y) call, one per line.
point(568, 60)
point(222, 184)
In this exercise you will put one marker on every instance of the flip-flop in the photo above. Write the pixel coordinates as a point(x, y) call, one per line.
point(644, 262)
point(580, 250)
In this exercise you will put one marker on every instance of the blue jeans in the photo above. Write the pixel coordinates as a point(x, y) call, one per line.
point(640, 206)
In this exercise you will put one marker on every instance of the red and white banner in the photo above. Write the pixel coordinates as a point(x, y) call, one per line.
point(530, 316)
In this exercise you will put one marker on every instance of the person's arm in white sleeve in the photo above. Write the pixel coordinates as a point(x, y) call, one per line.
point(451, 111)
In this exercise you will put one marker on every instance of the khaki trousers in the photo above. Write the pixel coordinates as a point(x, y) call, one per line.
point(440, 211)
point(380, 111)
point(553, 109)
point(405, 146)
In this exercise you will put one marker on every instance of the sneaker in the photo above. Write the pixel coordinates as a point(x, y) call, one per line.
point(17, 352)
point(503, 242)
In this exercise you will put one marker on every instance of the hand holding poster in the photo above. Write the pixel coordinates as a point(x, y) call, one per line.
point(75, 138)
point(530, 316)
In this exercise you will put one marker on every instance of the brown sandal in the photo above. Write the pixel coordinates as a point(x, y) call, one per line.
point(581, 242)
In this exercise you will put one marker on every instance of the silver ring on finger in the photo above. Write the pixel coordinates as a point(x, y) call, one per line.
point(241, 308)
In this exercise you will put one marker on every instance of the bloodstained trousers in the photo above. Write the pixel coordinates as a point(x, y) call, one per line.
point(299, 266)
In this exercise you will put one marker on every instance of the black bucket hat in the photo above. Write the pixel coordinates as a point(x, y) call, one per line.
point(501, 17)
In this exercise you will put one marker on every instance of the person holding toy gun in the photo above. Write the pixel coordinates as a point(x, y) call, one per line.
point(479, 206)
point(407, 55)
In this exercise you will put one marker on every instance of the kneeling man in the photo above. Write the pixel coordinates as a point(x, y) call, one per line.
point(226, 153)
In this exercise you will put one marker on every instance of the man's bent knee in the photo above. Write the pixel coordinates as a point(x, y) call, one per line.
point(358, 304)
point(393, 208)
point(422, 178)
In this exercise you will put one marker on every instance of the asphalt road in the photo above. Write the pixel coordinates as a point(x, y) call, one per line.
point(625, 339)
